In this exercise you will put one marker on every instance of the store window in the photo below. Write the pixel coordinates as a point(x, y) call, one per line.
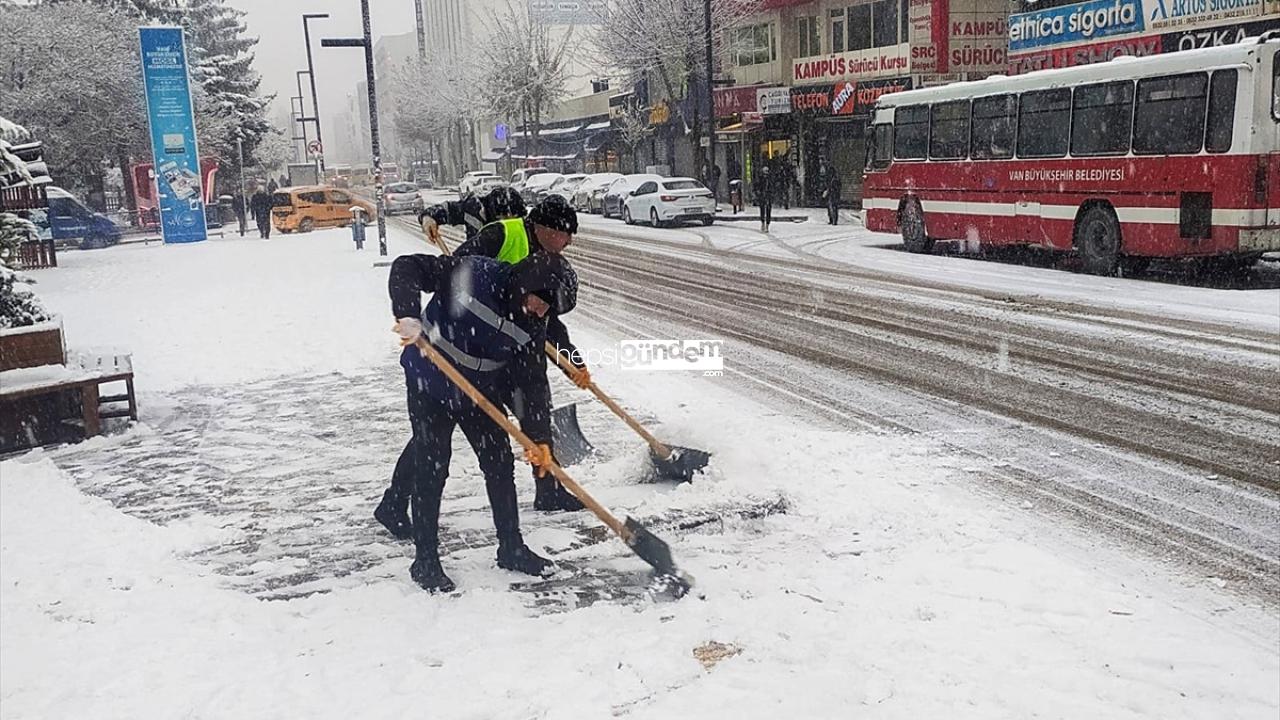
point(754, 45)
point(809, 36)
point(882, 23)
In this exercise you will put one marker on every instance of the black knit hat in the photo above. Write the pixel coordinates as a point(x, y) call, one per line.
point(550, 277)
point(554, 212)
point(502, 202)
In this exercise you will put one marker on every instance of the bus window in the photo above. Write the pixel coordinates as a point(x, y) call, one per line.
point(881, 145)
point(1100, 118)
point(994, 120)
point(1222, 111)
point(1169, 118)
point(949, 131)
point(911, 132)
point(1044, 122)
point(1275, 86)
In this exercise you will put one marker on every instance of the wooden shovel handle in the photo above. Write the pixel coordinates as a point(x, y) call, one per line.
point(658, 447)
point(501, 418)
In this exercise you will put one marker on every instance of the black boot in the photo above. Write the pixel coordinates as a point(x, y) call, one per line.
point(393, 515)
point(426, 571)
point(519, 558)
point(552, 497)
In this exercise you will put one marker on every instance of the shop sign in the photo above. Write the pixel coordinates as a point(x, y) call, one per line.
point(773, 101)
point(868, 92)
point(811, 100)
point(734, 100)
point(877, 62)
point(1084, 54)
point(1175, 14)
point(1076, 23)
point(930, 42)
point(1214, 37)
point(845, 98)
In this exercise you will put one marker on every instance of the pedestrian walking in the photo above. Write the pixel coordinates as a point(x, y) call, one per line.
point(715, 182)
point(489, 319)
point(260, 204)
point(763, 189)
point(785, 176)
point(831, 193)
point(241, 212)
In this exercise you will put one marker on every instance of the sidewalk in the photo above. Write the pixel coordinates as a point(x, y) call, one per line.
point(751, 213)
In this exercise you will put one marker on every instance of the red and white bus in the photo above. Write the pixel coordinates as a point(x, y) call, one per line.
point(1160, 157)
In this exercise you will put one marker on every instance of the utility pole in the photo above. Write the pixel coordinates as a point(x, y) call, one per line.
point(711, 102)
point(311, 73)
point(375, 143)
point(244, 202)
point(422, 30)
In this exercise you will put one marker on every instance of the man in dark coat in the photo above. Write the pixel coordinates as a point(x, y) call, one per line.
point(241, 212)
point(488, 320)
point(260, 205)
point(762, 186)
point(831, 193)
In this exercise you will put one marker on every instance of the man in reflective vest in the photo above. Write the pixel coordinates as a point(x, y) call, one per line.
point(489, 320)
point(472, 212)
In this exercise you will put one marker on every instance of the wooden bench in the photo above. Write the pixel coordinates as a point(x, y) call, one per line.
point(42, 392)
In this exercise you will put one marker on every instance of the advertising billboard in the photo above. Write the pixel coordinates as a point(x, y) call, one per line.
point(173, 134)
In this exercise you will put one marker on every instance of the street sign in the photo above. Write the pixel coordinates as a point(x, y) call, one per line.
point(315, 148)
point(500, 131)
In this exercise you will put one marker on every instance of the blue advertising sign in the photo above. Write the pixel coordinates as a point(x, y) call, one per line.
point(1074, 23)
point(173, 134)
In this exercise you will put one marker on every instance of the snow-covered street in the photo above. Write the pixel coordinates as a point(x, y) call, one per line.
point(871, 544)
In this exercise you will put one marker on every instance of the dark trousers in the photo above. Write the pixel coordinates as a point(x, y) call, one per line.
point(423, 467)
point(243, 223)
point(766, 210)
point(264, 227)
point(833, 209)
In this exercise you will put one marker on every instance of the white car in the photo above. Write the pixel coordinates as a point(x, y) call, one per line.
point(483, 185)
point(540, 182)
point(564, 187)
point(521, 176)
point(468, 182)
point(589, 197)
point(402, 197)
point(668, 200)
point(619, 190)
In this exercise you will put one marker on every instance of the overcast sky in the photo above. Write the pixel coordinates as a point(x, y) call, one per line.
point(281, 50)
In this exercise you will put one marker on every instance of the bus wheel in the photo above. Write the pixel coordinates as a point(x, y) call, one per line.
point(1098, 240)
point(911, 220)
point(306, 226)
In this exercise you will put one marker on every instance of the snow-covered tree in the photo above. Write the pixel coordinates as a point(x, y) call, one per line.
point(18, 305)
point(436, 101)
point(525, 69)
point(72, 76)
point(221, 56)
point(666, 40)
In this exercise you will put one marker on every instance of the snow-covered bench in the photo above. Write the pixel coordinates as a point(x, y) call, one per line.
point(41, 388)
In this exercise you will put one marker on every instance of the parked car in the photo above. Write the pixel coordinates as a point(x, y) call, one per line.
point(72, 222)
point(468, 181)
point(619, 190)
point(314, 206)
point(485, 184)
point(540, 182)
point(521, 176)
point(564, 187)
point(402, 197)
point(590, 193)
point(668, 200)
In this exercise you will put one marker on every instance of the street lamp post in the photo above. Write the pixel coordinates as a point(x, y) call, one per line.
point(366, 42)
point(244, 207)
point(311, 73)
point(711, 104)
point(302, 118)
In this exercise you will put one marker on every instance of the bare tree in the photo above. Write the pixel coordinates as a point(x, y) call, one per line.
point(525, 70)
point(633, 129)
point(436, 102)
point(666, 39)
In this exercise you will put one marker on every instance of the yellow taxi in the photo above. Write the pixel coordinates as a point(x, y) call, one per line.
point(308, 207)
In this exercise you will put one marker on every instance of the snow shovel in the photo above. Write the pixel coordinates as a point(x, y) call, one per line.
point(570, 445)
point(670, 462)
point(649, 547)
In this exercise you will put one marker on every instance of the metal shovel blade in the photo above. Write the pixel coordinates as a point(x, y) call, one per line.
point(655, 551)
point(680, 465)
point(571, 445)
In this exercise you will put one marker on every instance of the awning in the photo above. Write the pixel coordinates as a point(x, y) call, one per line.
point(593, 127)
point(494, 155)
point(543, 158)
point(560, 131)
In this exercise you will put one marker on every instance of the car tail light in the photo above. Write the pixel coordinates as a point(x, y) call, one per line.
point(668, 198)
point(1260, 181)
